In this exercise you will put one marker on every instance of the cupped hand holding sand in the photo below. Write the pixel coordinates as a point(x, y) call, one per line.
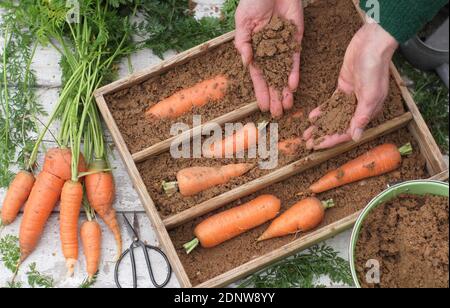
point(273, 54)
point(362, 89)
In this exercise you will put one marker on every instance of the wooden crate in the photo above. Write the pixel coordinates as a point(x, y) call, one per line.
point(412, 119)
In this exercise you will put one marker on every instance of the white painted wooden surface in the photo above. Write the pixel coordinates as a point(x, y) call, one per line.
point(48, 255)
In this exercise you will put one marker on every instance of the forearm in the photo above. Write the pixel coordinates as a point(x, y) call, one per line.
point(403, 18)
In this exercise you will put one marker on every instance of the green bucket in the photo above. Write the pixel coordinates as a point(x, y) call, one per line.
point(420, 187)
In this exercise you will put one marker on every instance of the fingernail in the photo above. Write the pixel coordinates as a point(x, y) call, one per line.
point(357, 134)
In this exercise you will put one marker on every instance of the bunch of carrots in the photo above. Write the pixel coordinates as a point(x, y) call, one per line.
point(303, 216)
point(77, 180)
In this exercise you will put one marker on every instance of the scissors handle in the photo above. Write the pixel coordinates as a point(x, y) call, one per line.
point(145, 249)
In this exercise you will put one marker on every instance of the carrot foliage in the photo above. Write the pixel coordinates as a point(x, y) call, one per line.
point(171, 25)
point(304, 271)
point(18, 101)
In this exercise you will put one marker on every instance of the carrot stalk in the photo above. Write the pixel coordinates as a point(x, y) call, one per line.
point(406, 150)
point(18, 192)
point(229, 224)
point(183, 101)
point(191, 181)
point(189, 247)
point(170, 188)
point(301, 217)
point(380, 160)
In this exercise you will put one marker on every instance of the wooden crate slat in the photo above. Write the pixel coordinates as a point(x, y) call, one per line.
point(420, 130)
point(283, 173)
point(442, 176)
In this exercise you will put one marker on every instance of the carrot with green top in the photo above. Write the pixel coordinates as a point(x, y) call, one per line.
point(229, 224)
point(378, 161)
point(301, 217)
point(183, 101)
point(191, 181)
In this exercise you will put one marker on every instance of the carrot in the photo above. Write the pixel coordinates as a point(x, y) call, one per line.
point(91, 237)
point(229, 224)
point(58, 162)
point(191, 181)
point(303, 216)
point(17, 195)
point(71, 199)
point(380, 160)
point(290, 146)
point(41, 202)
point(100, 191)
point(244, 139)
point(183, 101)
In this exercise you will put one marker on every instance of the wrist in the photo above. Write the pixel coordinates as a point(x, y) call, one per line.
point(382, 42)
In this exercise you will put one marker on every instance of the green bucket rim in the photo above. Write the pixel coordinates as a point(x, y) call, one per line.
point(386, 195)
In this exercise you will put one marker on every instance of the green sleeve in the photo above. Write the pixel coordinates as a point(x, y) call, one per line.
point(403, 18)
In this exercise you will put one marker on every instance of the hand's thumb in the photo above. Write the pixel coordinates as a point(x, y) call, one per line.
point(359, 122)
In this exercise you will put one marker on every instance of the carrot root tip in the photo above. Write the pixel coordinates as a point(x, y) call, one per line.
point(170, 188)
point(328, 204)
point(189, 247)
point(406, 150)
point(70, 264)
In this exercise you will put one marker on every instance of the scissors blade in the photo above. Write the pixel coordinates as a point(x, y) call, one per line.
point(136, 226)
point(130, 228)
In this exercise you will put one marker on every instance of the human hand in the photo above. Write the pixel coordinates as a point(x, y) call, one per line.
point(251, 17)
point(365, 72)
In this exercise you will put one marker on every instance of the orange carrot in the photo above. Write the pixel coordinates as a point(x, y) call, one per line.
point(183, 101)
point(100, 191)
point(43, 197)
point(17, 195)
point(290, 146)
point(229, 224)
point(71, 199)
point(244, 139)
point(380, 160)
point(58, 162)
point(303, 216)
point(91, 237)
point(191, 181)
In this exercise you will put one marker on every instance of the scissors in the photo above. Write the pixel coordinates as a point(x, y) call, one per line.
point(137, 243)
